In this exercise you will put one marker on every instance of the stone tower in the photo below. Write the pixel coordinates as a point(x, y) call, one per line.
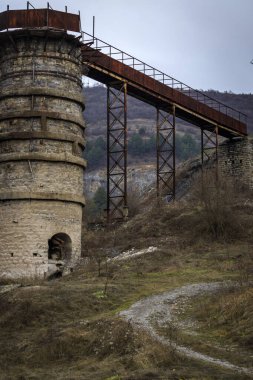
point(41, 144)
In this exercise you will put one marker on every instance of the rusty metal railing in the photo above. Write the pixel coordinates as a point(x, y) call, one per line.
point(158, 75)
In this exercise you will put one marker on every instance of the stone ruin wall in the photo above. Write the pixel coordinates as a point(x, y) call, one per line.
point(236, 160)
point(41, 144)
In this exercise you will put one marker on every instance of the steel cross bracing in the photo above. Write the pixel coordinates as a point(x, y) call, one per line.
point(117, 151)
point(209, 145)
point(209, 155)
point(166, 153)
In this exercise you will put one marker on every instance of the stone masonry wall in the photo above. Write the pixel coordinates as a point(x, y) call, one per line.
point(236, 160)
point(26, 227)
point(41, 144)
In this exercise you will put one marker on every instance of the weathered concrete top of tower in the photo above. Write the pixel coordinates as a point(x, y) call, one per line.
point(39, 18)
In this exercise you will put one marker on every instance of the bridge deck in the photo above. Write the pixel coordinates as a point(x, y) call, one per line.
point(107, 70)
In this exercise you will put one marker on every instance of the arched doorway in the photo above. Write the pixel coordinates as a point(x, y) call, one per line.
point(59, 247)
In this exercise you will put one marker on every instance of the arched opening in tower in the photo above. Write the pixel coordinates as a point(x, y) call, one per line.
point(59, 247)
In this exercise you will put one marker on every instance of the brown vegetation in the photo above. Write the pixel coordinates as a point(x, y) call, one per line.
point(69, 329)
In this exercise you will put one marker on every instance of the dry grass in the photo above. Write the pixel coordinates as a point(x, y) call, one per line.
point(217, 324)
point(66, 330)
point(228, 315)
point(69, 329)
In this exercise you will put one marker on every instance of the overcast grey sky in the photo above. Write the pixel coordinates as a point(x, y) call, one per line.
point(204, 43)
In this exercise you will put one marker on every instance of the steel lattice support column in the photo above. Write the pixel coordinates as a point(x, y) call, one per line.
point(117, 152)
point(209, 146)
point(165, 129)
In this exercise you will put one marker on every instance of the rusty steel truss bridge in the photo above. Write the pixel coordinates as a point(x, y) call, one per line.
point(125, 75)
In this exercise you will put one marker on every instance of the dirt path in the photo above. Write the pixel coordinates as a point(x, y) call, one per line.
point(159, 307)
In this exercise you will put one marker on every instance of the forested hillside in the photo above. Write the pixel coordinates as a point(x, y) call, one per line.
point(141, 127)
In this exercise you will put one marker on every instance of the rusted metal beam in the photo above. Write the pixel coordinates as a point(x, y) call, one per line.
point(117, 152)
point(165, 130)
point(105, 69)
point(39, 18)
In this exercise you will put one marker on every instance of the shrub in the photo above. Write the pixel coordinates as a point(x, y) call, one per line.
point(217, 215)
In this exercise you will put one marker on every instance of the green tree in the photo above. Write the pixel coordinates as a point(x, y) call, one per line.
point(142, 131)
point(150, 145)
point(186, 147)
point(99, 199)
point(95, 152)
point(101, 143)
point(95, 157)
point(135, 145)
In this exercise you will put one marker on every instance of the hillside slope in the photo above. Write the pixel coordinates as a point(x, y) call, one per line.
point(70, 328)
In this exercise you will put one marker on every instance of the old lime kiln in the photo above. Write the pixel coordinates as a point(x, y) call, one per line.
point(41, 141)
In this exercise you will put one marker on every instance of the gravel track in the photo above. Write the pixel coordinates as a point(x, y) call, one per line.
point(159, 308)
